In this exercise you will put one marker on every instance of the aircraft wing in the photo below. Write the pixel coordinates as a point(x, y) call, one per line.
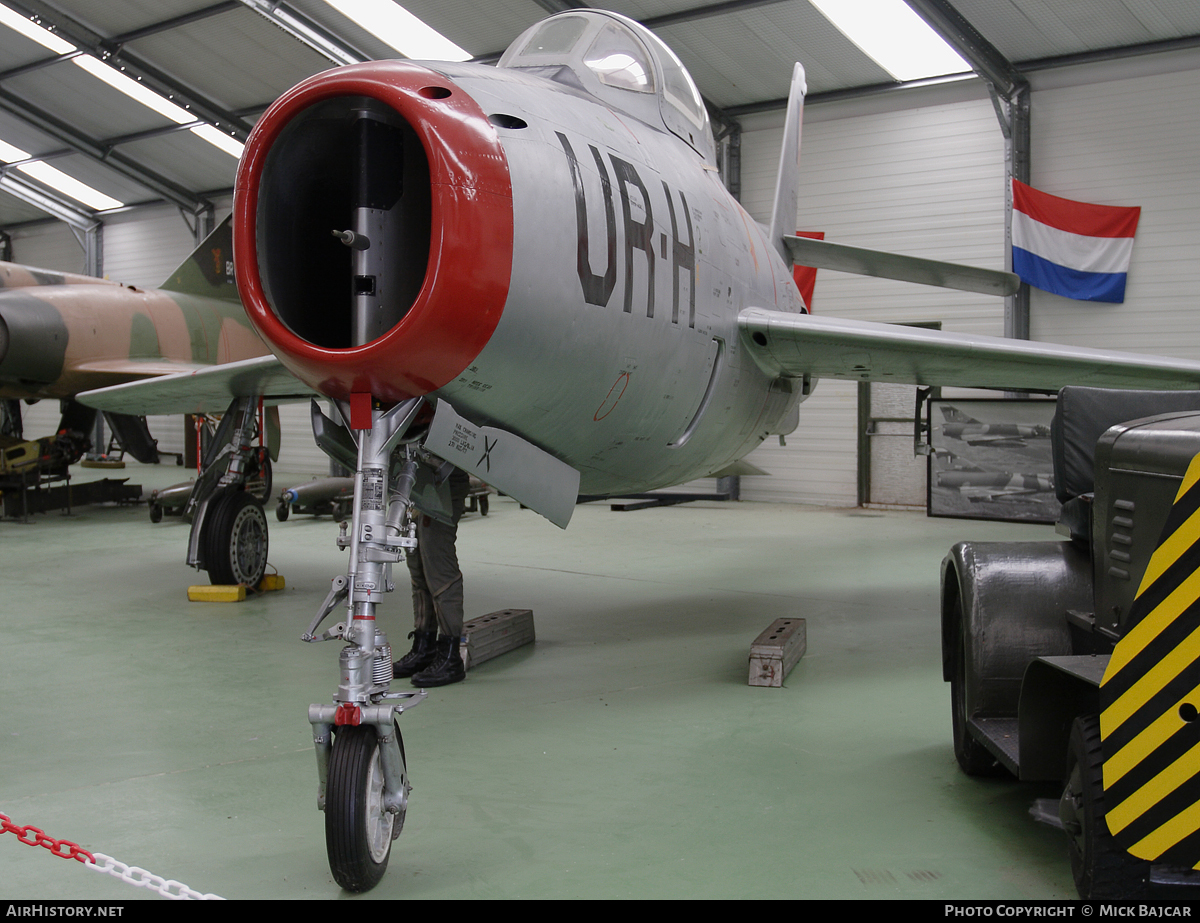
point(208, 390)
point(796, 345)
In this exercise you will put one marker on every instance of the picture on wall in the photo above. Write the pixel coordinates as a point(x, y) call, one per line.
point(991, 460)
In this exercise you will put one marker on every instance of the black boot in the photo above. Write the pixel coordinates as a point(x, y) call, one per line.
point(447, 669)
point(424, 653)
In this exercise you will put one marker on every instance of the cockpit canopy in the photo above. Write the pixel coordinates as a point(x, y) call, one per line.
point(621, 63)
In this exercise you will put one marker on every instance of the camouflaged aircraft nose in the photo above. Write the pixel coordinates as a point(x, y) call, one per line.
point(33, 339)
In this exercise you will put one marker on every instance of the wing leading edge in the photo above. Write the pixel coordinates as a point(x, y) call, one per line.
point(208, 390)
point(796, 345)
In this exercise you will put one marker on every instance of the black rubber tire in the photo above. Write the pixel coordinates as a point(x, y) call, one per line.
point(235, 540)
point(483, 505)
point(358, 833)
point(156, 512)
point(283, 511)
point(1102, 870)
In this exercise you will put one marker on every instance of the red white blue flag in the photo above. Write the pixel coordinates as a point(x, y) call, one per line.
point(1072, 249)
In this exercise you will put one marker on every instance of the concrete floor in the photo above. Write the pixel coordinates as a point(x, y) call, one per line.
point(623, 755)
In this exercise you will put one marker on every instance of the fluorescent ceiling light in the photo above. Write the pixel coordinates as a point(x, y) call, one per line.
point(894, 36)
point(218, 138)
point(119, 81)
point(401, 29)
point(33, 31)
point(134, 90)
point(56, 179)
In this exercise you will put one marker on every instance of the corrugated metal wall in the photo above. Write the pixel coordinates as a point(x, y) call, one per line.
point(48, 246)
point(1118, 135)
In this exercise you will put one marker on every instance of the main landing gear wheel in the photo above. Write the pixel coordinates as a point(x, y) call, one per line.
point(358, 831)
point(1102, 869)
point(235, 540)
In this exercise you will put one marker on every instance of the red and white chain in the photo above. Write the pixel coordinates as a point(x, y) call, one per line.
point(99, 862)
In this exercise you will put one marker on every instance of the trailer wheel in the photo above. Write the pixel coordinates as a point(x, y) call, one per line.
point(1102, 870)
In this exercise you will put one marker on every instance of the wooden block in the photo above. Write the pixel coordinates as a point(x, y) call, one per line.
point(776, 651)
point(496, 633)
point(204, 593)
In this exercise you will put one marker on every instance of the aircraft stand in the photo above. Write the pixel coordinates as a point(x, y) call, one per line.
point(362, 775)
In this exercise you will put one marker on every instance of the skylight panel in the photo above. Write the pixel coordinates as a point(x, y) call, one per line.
point(56, 179)
point(393, 24)
point(895, 37)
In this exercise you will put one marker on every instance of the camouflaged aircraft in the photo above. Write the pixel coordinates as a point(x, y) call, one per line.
point(532, 272)
point(63, 333)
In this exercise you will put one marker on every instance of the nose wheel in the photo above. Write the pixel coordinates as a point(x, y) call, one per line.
point(358, 829)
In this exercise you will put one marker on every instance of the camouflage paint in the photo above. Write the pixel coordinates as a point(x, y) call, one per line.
point(62, 333)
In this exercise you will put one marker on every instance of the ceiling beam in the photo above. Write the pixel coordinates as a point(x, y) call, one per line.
point(704, 12)
point(308, 32)
point(33, 194)
point(112, 52)
point(98, 151)
point(959, 34)
point(165, 25)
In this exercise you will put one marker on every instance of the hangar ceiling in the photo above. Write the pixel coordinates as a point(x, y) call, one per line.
point(225, 62)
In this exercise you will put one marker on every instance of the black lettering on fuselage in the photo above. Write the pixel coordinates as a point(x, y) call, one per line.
point(638, 235)
point(683, 257)
point(596, 289)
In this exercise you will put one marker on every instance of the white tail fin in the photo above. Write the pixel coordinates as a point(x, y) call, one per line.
point(787, 183)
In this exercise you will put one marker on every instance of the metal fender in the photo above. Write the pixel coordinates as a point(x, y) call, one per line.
point(1003, 605)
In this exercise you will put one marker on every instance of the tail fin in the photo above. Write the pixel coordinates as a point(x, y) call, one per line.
point(787, 183)
point(208, 272)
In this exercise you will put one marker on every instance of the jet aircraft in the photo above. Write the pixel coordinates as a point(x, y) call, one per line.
point(967, 429)
point(62, 333)
point(533, 272)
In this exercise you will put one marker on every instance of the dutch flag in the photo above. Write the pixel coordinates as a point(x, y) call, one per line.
point(1071, 248)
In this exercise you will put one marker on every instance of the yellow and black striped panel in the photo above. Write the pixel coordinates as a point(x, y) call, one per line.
point(1150, 697)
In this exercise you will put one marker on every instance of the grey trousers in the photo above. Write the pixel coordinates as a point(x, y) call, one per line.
point(437, 581)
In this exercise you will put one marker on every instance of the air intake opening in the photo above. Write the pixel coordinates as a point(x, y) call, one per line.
point(345, 164)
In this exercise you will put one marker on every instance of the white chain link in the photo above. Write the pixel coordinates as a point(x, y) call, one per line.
point(140, 878)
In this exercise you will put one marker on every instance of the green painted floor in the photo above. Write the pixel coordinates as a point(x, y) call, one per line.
point(623, 755)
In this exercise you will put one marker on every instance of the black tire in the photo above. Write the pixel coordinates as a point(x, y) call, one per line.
point(283, 511)
point(156, 512)
point(1102, 869)
point(358, 832)
point(235, 540)
point(483, 505)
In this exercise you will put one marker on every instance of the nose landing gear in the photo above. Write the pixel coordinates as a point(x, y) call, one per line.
point(361, 768)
